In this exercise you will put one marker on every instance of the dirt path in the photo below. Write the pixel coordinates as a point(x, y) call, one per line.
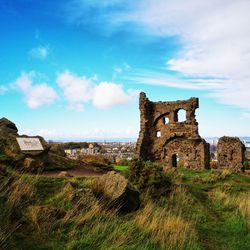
point(75, 172)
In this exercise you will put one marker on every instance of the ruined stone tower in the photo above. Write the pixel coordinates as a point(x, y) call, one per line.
point(164, 139)
point(231, 153)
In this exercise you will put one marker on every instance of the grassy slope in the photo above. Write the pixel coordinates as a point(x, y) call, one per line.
point(120, 168)
point(203, 211)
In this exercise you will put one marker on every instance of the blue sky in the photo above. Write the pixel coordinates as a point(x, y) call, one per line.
point(73, 69)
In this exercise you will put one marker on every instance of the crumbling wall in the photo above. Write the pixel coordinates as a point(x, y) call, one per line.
point(164, 139)
point(231, 153)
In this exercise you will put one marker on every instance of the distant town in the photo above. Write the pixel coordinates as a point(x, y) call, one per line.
point(116, 151)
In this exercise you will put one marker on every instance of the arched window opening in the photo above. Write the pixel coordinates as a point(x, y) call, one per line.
point(165, 120)
point(181, 115)
point(158, 134)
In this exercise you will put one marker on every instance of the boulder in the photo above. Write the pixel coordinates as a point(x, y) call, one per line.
point(6, 124)
point(65, 174)
point(8, 134)
point(32, 165)
point(118, 192)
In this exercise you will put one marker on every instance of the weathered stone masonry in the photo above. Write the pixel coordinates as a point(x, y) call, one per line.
point(231, 153)
point(162, 138)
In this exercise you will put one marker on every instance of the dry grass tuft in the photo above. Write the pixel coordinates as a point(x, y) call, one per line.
point(225, 173)
point(20, 193)
point(171, 231)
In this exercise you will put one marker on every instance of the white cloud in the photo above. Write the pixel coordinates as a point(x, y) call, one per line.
point(35, 94)
point(215, 39)
point(40, 52)
point(108, 94)
point(216, 43)
point(163, 79)
point(76, 90)
point(119, 70)
point(79, 90)
point(127, 66)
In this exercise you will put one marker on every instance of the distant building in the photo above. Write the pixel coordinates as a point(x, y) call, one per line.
point(68, 151)
point(247, 144)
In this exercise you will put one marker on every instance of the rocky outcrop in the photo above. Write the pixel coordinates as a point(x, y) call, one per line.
point(6, 124)
point(8, 142)
point(231, 153)
point(31, 161)
point(166, 139)
point(32, 165)
point(118, 192)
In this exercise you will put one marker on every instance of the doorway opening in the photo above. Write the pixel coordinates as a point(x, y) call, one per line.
point(174, 160)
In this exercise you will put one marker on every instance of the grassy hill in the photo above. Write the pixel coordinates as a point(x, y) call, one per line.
point(204, 210)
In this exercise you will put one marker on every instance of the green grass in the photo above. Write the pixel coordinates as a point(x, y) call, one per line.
point(120, 168)
point(205, 210)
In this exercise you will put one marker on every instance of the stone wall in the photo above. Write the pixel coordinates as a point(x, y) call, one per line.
point(163, 138)
point(231, 153)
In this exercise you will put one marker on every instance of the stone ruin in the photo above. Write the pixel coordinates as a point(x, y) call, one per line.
point(166, 140)
point(231, 153)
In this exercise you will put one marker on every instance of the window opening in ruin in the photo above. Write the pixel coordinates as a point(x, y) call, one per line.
point(158, 134)
point(165, 120)
point(181, 115)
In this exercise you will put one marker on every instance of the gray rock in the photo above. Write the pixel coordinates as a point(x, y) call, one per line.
point(32, 165)
point(118, 191)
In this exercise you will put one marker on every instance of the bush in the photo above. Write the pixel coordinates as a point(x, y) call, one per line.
point(148, 176)
point(98, 162)
point(246, 165)
point(122, 162)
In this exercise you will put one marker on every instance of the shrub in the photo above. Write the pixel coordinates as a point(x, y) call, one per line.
point(95, 159)
point(149, 176)
point(246, 165)
point(122, 162)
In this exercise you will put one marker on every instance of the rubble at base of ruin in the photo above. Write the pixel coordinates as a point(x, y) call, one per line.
point(164, 138)
point(231, 153)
